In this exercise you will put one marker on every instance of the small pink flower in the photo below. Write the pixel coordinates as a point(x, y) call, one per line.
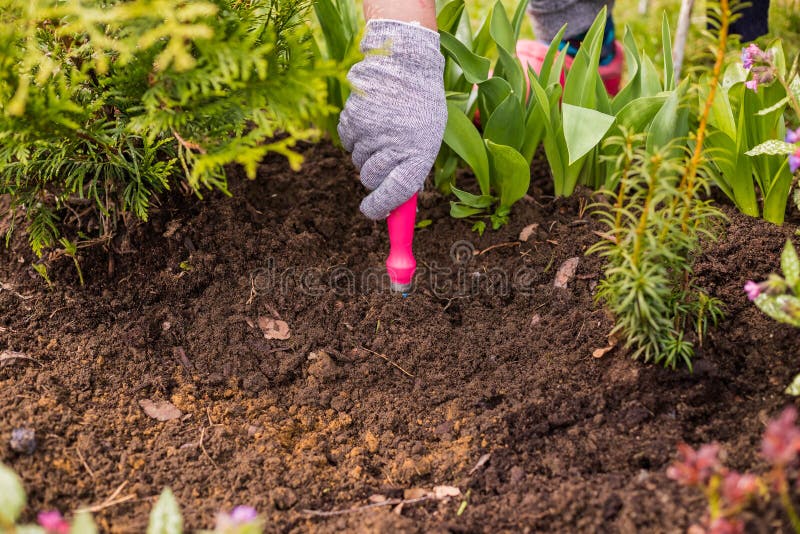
point(738, 488)
point(694, 468)
point(752, 289)
point(792, 136)
point(794, 161)
point(781, 441)
point(53, 522)
point(239, 516)
point(752, 85)
point(750, 55)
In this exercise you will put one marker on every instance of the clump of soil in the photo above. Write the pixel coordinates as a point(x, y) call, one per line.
point(371, 393)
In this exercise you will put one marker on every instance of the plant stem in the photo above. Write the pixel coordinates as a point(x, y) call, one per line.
point(789, 93)
point(690, 177)
point(623, 187)
point(786, 500)
point(643, 219)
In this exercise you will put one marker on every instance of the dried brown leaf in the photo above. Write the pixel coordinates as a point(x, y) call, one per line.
point(160, 410)
point(274, 328)
point(415, 493)
point(528, 231)
point(445, 492)
point(566, 272)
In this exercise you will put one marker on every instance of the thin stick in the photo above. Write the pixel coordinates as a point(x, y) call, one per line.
point(102, 506)
point(116, 492)
point(499, 245)
point(203, 448)
point(389, 502)
point(386, 358)
point(83, 460)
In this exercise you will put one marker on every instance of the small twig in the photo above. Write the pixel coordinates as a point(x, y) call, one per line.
point(203, 448)
point(388, 502)
point(499, 245)
point(98, 507)
point(188, 145)
point(450, 301)
point(116, 492)
point(386, 358)
point(83, 461)
point(109, 501)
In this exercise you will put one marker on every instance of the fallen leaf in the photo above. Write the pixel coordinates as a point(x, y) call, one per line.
point(8, 356)
point(274, 328)
point(599, 353)
point(377, 498)
point(445, 492)
point(528, 231)
point(612, 343)
point(566, 272)
point(415, 493)
point(160, 410)
point(481, 462)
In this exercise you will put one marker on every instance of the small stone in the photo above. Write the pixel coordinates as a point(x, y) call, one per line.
point(23, 440)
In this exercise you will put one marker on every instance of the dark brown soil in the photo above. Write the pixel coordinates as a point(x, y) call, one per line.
point(499, 366)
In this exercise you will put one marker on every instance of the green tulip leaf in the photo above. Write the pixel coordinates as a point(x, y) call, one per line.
point(510, 171)
point(475, 67)
point(584, 128)
point(462, 136)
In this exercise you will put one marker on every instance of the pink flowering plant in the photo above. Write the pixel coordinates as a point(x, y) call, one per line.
point(165, 518)
point(730, 492)
point(754, 152)
point(779, 296)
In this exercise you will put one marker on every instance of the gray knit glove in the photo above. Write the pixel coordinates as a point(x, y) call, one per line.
point(394, 120)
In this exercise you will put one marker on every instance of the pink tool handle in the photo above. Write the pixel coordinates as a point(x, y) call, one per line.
point(401, 263)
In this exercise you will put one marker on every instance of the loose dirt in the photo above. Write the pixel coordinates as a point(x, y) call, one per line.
point(371, 393)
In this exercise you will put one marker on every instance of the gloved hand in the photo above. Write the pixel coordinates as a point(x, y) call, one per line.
point(394, 120)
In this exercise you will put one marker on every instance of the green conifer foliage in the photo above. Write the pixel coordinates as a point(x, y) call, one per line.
point(106, 103)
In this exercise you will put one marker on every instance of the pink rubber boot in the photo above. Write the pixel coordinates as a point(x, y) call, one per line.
point(532, 53)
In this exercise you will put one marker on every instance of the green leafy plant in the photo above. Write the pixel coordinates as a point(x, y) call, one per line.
point(340, 30)
point(656, 218)
point(104, 105)
point(647, 284)
point(500, 153)
point(518, 110)
point(747, 120)
point(779, 296)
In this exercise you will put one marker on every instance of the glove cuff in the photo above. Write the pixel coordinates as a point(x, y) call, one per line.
point(404, 41)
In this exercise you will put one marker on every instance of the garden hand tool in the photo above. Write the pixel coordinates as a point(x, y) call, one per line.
point(401, 263)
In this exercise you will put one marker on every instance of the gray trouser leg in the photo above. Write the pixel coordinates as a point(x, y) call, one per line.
point(549, 15)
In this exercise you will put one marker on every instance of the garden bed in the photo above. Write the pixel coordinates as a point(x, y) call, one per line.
point(499, 363)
